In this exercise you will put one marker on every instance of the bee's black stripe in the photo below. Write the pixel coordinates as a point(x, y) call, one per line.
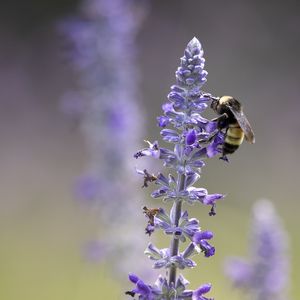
point(229, 148)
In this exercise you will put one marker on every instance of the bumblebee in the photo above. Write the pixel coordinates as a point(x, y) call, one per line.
point(234, 121)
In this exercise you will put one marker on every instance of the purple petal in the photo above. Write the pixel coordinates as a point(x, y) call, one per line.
point(176, 97)
point(163, 121)
point(212, 150)
point(211, 127)
point(202, 235)
point(167, 107)
point(162, 180)
point(207, 248)
point(189, 250)
point(142, 288)
point(160, 192)
point(211, 199)
point(191, 137)
point(154, 249)
point(203, 289)
point(133, 278)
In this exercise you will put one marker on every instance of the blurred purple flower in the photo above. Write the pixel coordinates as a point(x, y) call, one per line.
point(101, 48)
point(266, 274)
point(239, 271)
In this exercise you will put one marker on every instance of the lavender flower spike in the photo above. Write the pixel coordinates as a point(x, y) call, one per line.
point(191, 139)
point(265, 275)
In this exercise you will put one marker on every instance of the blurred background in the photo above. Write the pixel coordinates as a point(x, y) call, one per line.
point(252, 52)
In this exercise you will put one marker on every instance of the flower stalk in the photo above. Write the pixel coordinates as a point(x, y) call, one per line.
point(174, 248)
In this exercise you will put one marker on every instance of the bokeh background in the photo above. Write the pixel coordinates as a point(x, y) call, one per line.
point(252, 52)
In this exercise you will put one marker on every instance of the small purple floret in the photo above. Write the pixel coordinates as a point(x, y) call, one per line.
point(200, 239)
point(191, 137)
point(198, 293)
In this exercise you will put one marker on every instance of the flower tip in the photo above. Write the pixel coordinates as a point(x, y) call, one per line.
point(197, 294)
point(204, 289)
point(194, 44)
point(195, 41)
point(133, 278)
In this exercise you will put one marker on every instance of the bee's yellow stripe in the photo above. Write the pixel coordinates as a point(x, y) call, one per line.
point(234, 140)
point(235, 133)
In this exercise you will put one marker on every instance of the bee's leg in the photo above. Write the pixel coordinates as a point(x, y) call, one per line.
point(220, 118)
point(224, 157)
point(207, 95)
point(207, 141)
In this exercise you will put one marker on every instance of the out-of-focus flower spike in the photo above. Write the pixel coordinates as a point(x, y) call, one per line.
point(100, 36)
point(265, 276)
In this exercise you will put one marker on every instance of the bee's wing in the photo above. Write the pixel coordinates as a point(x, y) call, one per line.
point(244, 124)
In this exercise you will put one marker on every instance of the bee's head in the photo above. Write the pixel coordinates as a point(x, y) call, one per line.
point(214, 104)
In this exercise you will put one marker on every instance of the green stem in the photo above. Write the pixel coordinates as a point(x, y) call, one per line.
point(174, 249)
